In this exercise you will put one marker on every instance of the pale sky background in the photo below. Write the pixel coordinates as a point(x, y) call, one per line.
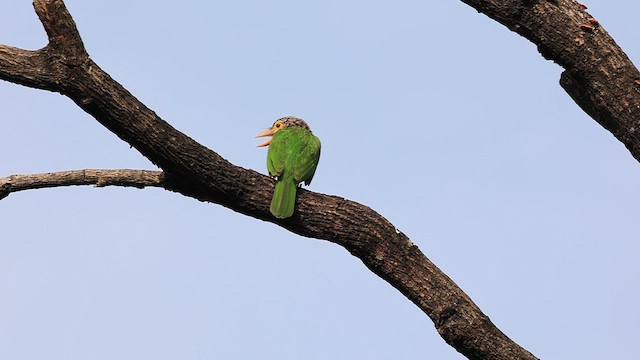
point(448, 124)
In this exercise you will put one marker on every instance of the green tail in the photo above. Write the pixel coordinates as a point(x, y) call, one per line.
point(284, 198)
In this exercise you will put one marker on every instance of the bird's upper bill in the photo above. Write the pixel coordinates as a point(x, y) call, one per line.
point(268, 132)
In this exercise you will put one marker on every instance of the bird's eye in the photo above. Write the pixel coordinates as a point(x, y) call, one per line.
point(278, 125)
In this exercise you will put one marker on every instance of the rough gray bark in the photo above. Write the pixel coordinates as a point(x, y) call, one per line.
point(599, 77)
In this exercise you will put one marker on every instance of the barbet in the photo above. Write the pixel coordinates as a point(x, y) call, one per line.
point(292, 158)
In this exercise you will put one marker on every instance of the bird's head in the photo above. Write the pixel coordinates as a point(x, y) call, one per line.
point(282, 123)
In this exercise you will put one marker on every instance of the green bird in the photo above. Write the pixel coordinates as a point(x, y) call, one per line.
point(292, 158)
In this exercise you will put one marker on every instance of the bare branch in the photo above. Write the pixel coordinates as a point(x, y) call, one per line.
point(598, 75)
point(98, 178)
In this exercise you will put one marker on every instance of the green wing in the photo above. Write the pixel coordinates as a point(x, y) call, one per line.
point(277, 153)
point(308, 158)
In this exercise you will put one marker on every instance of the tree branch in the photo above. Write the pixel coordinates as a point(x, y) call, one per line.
point(23, 67)
point(98, 178)
point(598, 75)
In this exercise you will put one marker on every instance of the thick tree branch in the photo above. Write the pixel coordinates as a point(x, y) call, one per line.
point(598, 75)
point(98, 178)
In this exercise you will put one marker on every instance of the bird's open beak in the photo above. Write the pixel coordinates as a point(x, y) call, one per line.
point(268, 132)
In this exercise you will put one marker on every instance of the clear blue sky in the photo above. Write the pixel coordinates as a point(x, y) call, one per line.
point(442, 120)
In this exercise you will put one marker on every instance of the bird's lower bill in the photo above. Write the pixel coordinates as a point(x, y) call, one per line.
point(265, 143)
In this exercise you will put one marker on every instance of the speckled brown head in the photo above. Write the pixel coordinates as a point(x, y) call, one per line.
point(282, 123)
